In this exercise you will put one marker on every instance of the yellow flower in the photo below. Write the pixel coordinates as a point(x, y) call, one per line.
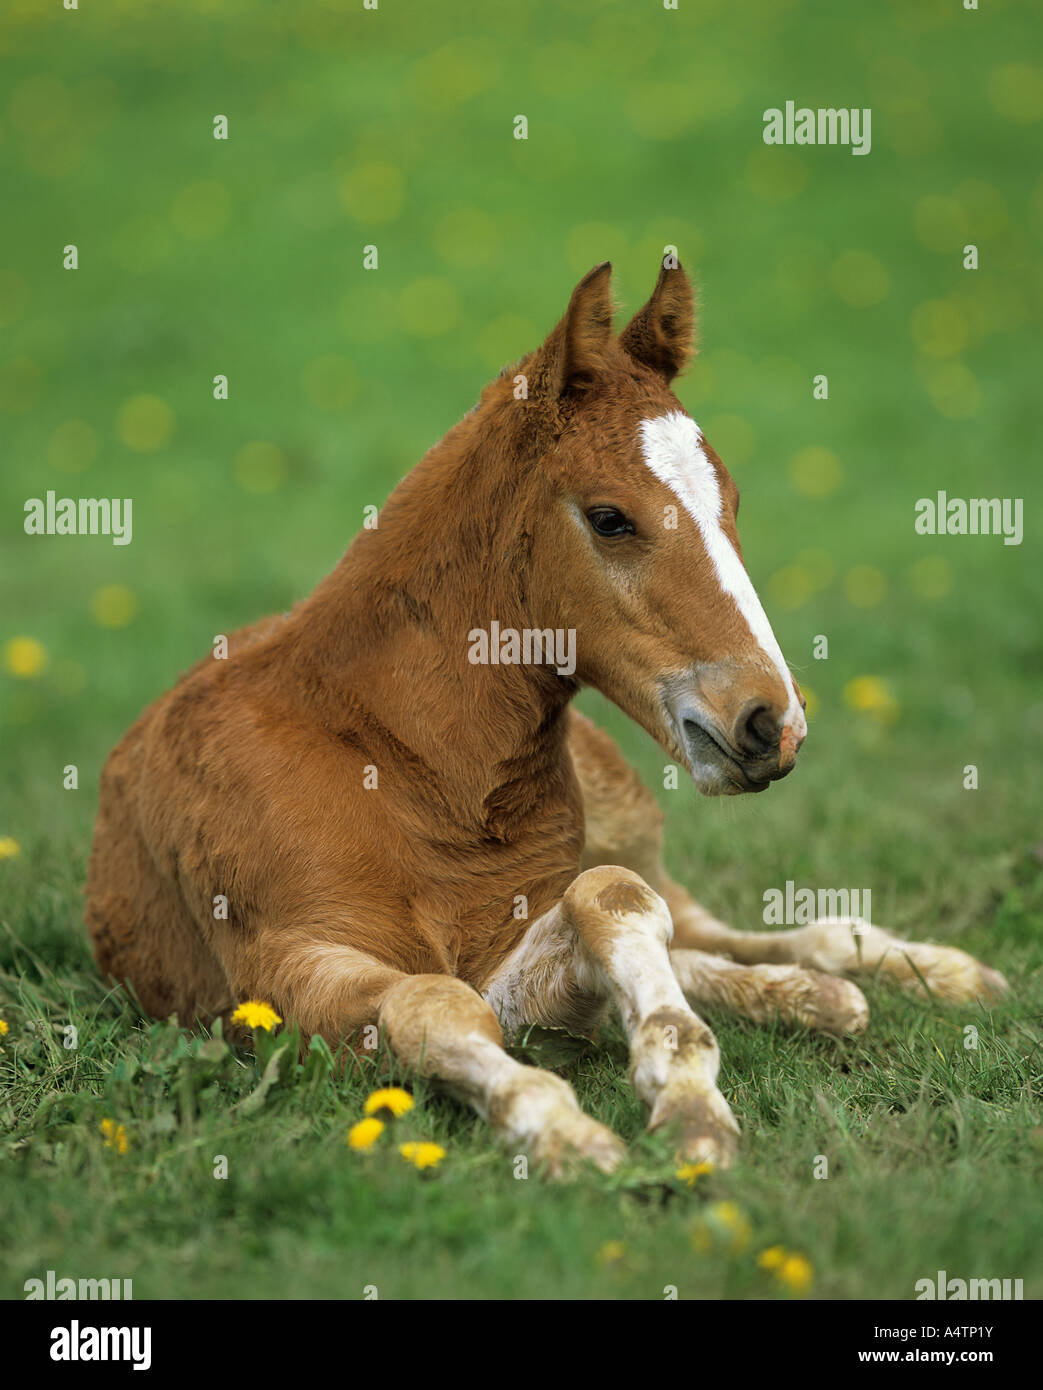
point(364, 1134)
point(870, 695)
point(24, 657)
point(795, 1273)
point(113, 606)
point(725, 1224)
point(611, 1251)
point(115, 1136)
point(691, 1172)
point(422, 1155)
point(9, 848)
point(772, 1258)
point(256, 1014)
point(3, 1028)
point(791, 1270)
point(391, 1098)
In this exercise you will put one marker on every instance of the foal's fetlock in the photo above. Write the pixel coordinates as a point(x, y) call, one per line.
point(539, 1112)
point(674, 1063)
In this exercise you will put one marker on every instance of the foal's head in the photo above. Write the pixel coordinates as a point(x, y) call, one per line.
point(634, 542)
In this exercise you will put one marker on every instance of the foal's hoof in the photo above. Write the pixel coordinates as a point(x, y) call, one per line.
point(540, 1112)
point(569, 1139)
point(832, 1005)
point(949, 973)
point(705, 1127)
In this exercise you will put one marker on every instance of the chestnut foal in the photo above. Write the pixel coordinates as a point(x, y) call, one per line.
point(399, 828)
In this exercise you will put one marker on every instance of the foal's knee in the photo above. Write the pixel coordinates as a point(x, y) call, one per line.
point(423, 1017)
point(603, 901)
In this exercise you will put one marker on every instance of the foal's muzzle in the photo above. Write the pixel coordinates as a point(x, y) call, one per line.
point(756, 746)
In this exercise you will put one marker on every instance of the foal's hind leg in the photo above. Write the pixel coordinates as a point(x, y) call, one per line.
point(843, 946)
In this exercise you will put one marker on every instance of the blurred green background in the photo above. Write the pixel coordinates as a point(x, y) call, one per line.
point(394, 128)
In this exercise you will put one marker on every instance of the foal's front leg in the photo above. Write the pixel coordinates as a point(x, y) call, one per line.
point(609, 938)
point(440, 1026)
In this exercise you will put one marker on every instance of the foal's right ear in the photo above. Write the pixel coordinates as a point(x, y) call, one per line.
point(660, 334)
point(577, 349)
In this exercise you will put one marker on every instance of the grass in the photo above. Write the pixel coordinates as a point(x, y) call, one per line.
point(931, 1145)
point(200, 257)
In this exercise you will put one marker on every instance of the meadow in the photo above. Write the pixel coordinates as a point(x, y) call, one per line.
point(243, 258)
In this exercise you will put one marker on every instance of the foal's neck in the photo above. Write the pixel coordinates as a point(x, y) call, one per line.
point(384, 640)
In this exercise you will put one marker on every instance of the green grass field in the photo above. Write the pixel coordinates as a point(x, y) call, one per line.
point(198, 257)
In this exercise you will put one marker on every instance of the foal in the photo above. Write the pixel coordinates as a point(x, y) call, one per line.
point(408, 825)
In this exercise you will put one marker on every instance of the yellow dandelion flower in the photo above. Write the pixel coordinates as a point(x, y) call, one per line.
point(611, 1251)
point(113, 606)
point(24, 657)
point(390, 1098)
point(691, 1172)
point(9, 847)
point(422, 1154)
point(256, 1014)
point(4, 1029)
point(772, 1258)
point(870, 695)
point(115, 1136)
point(364, 1134)
point(795, 1273)
point(729, 1216)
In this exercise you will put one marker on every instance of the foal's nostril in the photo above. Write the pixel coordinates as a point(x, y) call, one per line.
point(757, 729)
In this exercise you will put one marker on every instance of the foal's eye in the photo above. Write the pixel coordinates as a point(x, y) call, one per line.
point(607, 521)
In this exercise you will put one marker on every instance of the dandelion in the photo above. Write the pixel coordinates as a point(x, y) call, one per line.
point(9, 848)
point(365, 1134)
point(792, 1271)
point(795, 1273)
point(422, 1154)
point(390, 1098)
point(3, 1028)
point(24, 657)
point(870, 695)
point(692, 1172)
point(115, 1136)
point(256, 1014)
point(723, 1224)
point(611, 1252)
point(734, 1221)
point(772, 1258)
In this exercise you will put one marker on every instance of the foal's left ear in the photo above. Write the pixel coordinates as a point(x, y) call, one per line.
point(577, 349)
point(660, 334)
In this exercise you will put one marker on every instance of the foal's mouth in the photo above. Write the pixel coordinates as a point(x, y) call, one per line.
point(716, 767)
point(704, 746)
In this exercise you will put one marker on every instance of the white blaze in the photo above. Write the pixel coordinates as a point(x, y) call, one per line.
point(673, 449)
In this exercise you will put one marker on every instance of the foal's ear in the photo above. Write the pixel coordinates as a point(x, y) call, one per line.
point(578, 347)
point(660, 334)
